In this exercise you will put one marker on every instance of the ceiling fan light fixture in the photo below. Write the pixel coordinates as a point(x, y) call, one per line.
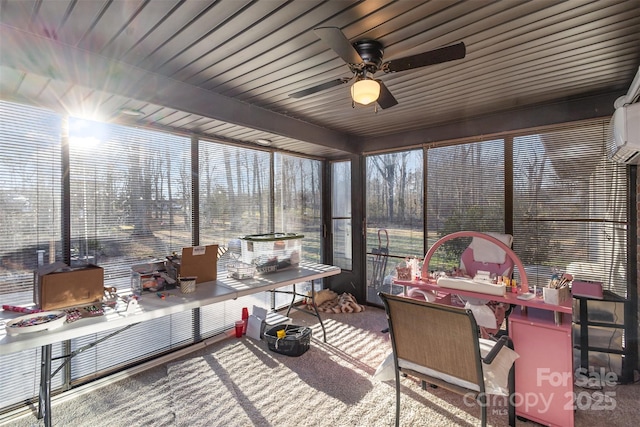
point(365, 91)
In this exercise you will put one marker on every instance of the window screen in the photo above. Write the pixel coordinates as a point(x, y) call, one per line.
point(465, 191)
point(130, 204)
point(298, 201)
point(394, 211)
point(570, 206)
point(341, 215)
point(235, 187)
point(30, 208)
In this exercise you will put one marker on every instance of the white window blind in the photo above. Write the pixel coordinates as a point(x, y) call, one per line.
point(570, 206)
point(130, 197)
point(465, 191)
point(130, 201)
point(30, 203)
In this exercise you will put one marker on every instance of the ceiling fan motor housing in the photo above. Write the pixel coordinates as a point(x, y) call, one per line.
point(371, 52)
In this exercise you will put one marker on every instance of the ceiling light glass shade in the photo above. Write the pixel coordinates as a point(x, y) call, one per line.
point(365, 91)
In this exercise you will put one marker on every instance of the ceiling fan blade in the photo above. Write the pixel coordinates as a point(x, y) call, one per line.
point(336, 40)
point(436, 56)
point(386, 99)
point(320, 87)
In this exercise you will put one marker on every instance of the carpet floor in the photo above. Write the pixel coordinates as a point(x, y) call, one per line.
point(240, 382)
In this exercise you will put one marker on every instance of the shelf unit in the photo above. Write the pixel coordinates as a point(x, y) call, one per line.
point(600, 337)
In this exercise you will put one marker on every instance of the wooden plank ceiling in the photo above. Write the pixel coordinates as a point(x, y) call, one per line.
point(225, 69)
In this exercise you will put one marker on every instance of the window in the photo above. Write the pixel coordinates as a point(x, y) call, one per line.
point(570, 206)
point(395, 214)
point(298, 201)
point(130, 198)
point(130, 202)
point(298, 209)
point(465, 191)
point(30, 209)
point(234, 192)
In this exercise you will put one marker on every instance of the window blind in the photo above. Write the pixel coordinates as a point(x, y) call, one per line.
point(130, 202)
point(130, 197)
point(30, 192)
point(570, 206)
point(465, 191)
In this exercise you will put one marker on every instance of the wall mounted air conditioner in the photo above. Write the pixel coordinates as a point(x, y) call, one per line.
point(623, 143)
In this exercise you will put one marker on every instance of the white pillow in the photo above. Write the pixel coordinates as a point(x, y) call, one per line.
point(496, 374)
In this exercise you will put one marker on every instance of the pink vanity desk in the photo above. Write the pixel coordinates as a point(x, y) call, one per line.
point(541, 335)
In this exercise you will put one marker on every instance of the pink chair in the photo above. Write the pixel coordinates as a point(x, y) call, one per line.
point(488, 252)
point(483, 255)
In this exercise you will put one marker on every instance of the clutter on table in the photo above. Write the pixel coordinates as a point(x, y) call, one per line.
point(36, 322)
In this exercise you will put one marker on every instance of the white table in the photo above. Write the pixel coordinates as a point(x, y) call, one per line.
point(149, 307)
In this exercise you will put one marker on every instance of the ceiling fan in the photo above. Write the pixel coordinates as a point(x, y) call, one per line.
point(364, 59)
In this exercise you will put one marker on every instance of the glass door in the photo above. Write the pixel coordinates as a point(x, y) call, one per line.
point(342, 241)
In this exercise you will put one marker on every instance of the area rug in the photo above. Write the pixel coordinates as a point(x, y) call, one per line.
point(240, 382)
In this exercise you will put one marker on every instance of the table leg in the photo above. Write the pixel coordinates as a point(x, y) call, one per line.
point(44, 396)
point(315, 309)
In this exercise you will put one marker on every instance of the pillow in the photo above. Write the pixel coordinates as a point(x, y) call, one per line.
point(496, 374)
point(486, 251)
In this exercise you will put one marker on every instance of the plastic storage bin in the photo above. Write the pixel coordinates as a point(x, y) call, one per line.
point(240, 270)
point(272, 252)
point(295, 343)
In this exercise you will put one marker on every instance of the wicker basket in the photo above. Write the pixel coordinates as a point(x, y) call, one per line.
point(187, 285)
point(295, 343)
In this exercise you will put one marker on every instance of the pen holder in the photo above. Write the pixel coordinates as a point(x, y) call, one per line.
point(555, 296)
point(187, 285)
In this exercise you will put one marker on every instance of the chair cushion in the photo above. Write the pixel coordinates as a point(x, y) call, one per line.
point(496, 374)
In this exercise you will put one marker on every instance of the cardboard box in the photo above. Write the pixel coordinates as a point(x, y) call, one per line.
point(59, 286)
point(201, 262)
